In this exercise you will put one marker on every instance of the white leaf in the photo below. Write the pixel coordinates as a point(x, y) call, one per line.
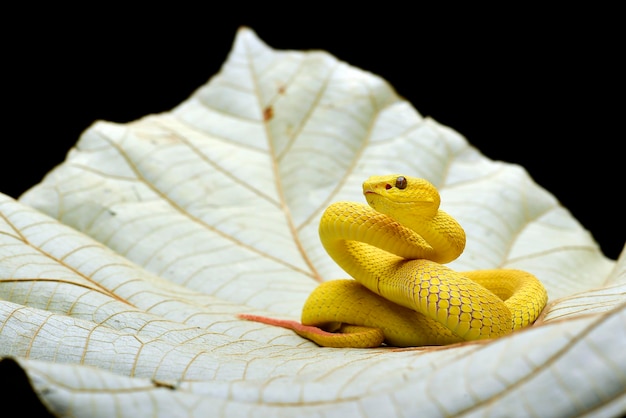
point(123, 271)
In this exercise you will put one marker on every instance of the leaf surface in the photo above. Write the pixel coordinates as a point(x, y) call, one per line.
point(122, 272)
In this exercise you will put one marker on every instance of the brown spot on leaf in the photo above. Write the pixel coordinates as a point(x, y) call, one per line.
point(268, 113)
point(164, 384)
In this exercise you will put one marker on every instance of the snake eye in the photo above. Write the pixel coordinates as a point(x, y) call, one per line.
point(401, 183)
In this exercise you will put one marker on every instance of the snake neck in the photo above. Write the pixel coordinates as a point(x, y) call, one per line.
point(366, 243)
point(441, 232)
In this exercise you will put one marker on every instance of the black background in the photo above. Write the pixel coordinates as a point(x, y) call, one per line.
point(525, 86)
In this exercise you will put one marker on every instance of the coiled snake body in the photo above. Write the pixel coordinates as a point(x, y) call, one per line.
point(402, 295)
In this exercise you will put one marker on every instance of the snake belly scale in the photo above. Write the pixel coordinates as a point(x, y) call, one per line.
point(402, 294)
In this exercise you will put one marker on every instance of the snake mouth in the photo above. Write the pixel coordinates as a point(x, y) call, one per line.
point(370, 196)
point(369, 190)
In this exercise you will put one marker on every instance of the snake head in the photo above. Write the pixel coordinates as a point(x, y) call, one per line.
point(396, 194)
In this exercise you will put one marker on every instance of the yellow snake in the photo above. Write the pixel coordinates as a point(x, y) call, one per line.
point(402, 295)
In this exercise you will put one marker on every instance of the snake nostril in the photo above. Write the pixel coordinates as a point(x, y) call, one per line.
point(387, 186)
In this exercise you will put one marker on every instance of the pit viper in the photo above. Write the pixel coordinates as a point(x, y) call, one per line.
point(401, 293)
